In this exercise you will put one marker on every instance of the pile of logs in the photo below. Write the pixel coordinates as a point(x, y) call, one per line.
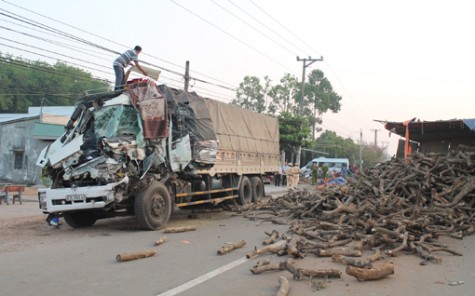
point(397, 206)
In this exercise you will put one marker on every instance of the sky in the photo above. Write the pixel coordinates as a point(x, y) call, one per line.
point(389, 60)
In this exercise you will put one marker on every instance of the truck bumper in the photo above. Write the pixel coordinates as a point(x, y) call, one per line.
point(75, 199)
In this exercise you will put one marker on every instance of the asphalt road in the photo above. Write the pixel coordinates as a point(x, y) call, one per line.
point(83, 262)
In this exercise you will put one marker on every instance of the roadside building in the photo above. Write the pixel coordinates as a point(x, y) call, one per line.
point(23, 137)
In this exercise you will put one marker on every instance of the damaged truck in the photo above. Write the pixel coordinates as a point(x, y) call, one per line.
point(148, 149)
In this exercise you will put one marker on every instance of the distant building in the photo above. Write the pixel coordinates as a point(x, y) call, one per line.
point(23, 136)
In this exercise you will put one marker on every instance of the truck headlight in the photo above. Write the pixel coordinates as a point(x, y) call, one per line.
point(42, 200)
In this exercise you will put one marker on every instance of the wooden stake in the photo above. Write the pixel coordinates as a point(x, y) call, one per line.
point(135, 255)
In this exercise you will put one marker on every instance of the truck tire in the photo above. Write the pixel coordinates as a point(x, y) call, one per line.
point(153, 207)
point(80, 219)
point(257, 186)
point(245, 191)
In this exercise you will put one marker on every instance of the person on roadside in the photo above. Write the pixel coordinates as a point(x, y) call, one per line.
point(290, 176)
point(284, 174)
point(324, 171)
point(122, 62)
point(344, 171)
point(314, 173)
point(296, 176)
point(277, 178)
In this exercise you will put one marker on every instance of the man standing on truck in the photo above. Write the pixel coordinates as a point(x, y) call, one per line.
point(122, 61)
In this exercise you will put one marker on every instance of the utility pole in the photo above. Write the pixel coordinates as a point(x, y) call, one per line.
point(375, 137)
point(306, 63)
point(361, 149)
point(187, 75)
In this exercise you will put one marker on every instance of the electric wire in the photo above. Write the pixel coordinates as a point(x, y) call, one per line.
point(252, 27)
point(63, 23)
point(284, 27)
point(231, 35)
point(264, 25)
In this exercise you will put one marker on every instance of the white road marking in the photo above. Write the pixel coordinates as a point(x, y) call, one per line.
point(203, 278)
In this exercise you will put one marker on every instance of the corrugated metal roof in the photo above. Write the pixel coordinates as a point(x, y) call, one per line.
point(47, 131)
point(421, 131)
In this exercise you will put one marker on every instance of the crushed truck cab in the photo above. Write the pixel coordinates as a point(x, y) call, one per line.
point(147, 149)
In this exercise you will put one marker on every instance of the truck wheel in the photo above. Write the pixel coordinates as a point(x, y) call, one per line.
point(80, 219)
point(257, 188)
point(153, 207)
point(245, 191)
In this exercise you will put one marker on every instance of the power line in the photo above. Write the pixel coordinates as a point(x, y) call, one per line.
point(168, 70)
point(280, 24)
point(231, 35)
point(45, 70)
point(264, 25)
point(252, 27)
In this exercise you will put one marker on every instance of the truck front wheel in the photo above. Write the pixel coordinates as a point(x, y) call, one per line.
point(80, 219)
point(153, 207)
point(245, 191)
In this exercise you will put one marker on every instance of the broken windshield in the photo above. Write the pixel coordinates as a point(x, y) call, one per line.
point(116, 121)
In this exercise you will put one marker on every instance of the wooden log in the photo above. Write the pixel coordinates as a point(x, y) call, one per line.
point(337, 251)
point(395, 251)
point(135, 255)
point(232, 246)
point(274, 248)
point(317, 245)
point(161, 240)
point(284, 287)
point(266, 265)
point(299, 273)
point(179, 229)
point(358, 262)
point(468, 187)
point(273, 236)
point(292, 247)
point(424, 254)
point(370, 274)
point(319, 273)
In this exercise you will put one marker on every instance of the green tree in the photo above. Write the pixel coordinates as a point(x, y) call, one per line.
point(283, 95)
point(251, 94)
point(320, 98)
point(294, 132)
point(26, 83)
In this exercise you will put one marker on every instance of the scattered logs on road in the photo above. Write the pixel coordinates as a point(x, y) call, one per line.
point(161, 240)
point(179, 229)
point(371, 274)
point(395, 207)
point(231, 246)
point(284, 287)
point(135, 255)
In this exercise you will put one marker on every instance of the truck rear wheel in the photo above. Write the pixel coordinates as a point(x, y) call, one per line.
point(80, 219)
point(153, 207)
point(257, 188)
point(245, 191)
